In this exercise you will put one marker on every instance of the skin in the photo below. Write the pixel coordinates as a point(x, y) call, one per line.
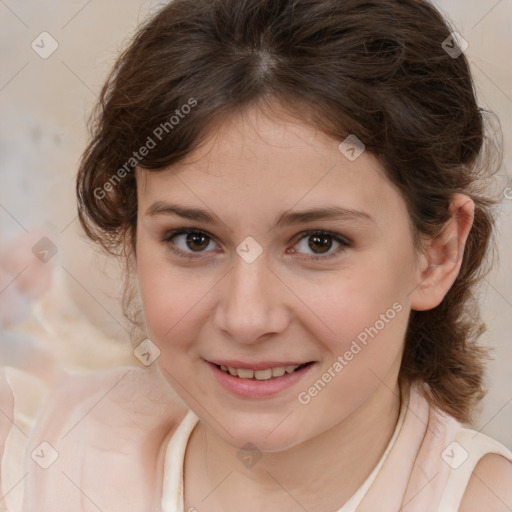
point(255, 166)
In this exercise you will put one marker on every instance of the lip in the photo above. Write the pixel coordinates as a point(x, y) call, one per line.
point(262, 365)
point(252, 388)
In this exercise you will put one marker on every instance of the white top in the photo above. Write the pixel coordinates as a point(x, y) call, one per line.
point(172, 497)
point(461, 455)
point(426, 465)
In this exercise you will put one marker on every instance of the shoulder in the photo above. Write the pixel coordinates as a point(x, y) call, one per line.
point(490, 486)
point(117, 410)
point(107, 432)
point(21, 397)
point(120, 396)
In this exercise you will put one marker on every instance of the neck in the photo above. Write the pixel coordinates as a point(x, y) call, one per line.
point(360, 441)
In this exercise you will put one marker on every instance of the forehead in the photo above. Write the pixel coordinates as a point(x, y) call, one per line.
point(258, 161)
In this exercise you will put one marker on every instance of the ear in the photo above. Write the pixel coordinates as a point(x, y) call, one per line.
point(440, 263)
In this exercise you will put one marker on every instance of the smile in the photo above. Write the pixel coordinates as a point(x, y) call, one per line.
point(259, 383)
point(265, 374)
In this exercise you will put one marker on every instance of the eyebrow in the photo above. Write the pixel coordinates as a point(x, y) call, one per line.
point(287, 218)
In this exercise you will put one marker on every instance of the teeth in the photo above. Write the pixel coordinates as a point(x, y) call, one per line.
point(262, 374)
point(278, 372)
point(259, 374)
point(245, 374)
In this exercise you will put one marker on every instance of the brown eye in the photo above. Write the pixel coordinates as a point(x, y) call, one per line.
point(196, 241)
point(320, 243)
point(186, 242)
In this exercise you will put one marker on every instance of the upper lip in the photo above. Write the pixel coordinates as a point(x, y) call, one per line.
point(260, 365)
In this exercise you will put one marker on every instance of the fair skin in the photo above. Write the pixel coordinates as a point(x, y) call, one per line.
point(489, 487)
point(283, 306)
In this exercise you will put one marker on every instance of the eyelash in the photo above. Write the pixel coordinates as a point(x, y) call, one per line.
point(344, 242)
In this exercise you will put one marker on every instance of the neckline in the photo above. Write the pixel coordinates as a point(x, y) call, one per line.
point(355, 500)
point(172, 495)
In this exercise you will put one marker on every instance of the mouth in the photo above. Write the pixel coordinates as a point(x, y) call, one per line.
point(261, 380)
point(268, 373)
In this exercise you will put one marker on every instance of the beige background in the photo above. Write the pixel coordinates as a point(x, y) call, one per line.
point(44, 106)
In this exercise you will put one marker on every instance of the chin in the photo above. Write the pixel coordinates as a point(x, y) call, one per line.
point(265, 439)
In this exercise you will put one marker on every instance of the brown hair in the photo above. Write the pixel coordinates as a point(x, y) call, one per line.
point(373, 68)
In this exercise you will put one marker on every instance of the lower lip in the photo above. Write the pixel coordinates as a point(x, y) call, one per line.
point(252, 388)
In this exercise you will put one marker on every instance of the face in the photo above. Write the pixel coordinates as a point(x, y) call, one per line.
point(258, 283)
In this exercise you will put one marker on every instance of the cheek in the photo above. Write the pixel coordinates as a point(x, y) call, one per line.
point(364, 322)
point(162, 293)
point(362, 309)
point(173, 302)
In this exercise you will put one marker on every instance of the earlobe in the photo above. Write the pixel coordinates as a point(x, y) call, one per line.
point(442, 259)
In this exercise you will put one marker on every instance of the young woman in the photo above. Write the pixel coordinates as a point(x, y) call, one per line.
point(295, 188)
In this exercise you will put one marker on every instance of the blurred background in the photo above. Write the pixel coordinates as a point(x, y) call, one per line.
point(59, 297)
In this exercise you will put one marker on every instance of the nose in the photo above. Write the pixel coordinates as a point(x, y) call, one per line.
point(252, 302)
